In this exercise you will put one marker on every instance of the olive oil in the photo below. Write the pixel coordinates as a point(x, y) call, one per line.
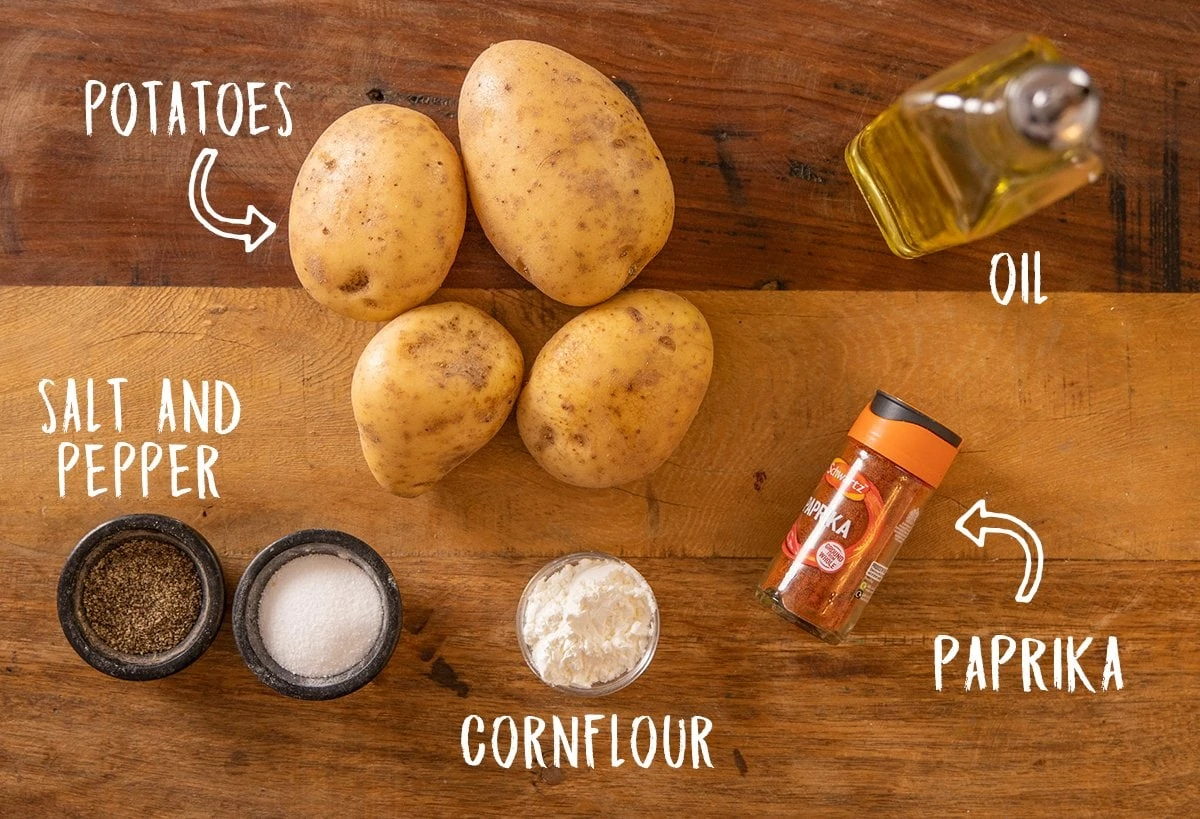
point(978, 146)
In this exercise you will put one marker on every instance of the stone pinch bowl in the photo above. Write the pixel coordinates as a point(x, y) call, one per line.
point(254, 581)
point(99, 542)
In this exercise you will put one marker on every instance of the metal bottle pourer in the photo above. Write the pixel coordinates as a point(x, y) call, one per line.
point(1054, 105)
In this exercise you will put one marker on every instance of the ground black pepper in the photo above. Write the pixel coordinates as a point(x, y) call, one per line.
point(142, 597)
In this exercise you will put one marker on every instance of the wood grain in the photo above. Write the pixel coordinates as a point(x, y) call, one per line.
point(1078, 417)
point(797, 726)
point(752, 106)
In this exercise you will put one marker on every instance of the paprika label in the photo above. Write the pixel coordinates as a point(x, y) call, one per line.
point(835, 521)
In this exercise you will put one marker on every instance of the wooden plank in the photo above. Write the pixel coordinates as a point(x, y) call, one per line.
point(752, 118)
point(1078, 416)
point(797, 726)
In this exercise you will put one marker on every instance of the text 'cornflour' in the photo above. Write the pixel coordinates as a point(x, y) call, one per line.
point(539, 743)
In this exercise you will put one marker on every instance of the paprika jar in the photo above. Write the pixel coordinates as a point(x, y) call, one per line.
point(856, 519)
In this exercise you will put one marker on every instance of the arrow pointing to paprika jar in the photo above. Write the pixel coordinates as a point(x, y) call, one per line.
point(223, 225)
point(1016, 528)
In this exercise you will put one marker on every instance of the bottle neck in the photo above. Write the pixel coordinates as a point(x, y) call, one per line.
point(1013, 126)
point(1053, 106)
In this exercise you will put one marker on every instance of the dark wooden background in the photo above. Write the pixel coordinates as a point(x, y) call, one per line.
point(751, 104)
point(1079, 417)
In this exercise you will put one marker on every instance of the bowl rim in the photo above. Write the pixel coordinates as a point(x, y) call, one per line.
point(609, 686)
point(107, 537)
point(258, 573)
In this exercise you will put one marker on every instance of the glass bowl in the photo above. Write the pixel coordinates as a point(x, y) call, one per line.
point(599, 687)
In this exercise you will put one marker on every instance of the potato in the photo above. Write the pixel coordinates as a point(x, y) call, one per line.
point(564, 175)
point(612, 394)
point(432, 387)
point(377, 212)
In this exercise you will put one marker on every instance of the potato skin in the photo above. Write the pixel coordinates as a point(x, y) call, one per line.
point(564, 176)
point(613, 393)
point(377, 212)
point(431, 388)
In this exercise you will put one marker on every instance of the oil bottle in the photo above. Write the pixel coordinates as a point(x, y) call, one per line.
point(978, 146)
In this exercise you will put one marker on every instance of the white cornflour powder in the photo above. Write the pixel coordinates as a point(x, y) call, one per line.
point(588, 623)
point(319, 615)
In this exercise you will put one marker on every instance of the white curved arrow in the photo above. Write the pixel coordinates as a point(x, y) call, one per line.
point(1020, 530)
point(214, 221)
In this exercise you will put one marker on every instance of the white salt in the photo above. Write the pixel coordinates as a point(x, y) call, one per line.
point(319, 615)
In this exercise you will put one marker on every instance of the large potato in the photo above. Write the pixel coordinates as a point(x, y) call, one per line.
point(564, 176)
point(377, 212)
point(612, 394)
point(431, 388)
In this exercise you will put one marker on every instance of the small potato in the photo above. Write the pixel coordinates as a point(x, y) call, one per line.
point(431, 388)
point(564, 175)
point(377, 212)
point(612, 394)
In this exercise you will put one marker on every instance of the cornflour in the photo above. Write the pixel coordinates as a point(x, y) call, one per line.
point(588, 623)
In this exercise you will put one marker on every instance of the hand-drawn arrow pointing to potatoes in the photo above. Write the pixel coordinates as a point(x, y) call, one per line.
point(215, 222)
point(1014, 528)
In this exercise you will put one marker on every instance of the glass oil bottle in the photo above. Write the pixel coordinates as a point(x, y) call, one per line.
point(978, 146)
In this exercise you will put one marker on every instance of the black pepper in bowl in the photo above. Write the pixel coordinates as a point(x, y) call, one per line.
point(141, 597)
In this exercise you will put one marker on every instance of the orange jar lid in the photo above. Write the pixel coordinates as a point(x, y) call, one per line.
point(908, 438)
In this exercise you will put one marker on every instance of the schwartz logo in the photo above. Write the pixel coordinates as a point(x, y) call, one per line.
point(840, 473)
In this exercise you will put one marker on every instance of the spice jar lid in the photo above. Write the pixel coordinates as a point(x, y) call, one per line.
point(907, 437)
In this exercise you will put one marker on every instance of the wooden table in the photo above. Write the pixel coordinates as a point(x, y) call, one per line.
point(1079, 417)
